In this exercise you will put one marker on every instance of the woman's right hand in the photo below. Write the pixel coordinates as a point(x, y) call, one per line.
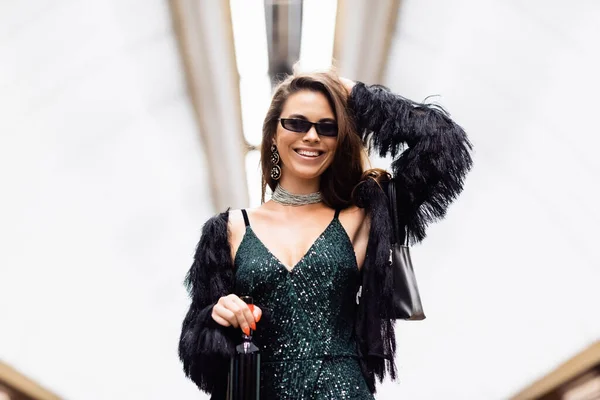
point(348, 84)
point(230, 310)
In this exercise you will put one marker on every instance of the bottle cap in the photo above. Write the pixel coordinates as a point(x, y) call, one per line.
point(248, 300)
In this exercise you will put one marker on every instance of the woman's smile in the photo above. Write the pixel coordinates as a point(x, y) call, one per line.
point(309, 154)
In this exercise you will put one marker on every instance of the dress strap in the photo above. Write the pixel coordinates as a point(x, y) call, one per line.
point(337, 213)
point(246, 220)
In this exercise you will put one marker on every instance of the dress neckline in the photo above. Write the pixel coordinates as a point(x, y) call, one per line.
point(279, 262)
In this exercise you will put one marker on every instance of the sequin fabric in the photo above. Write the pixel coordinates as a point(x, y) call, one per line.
point(306, 337)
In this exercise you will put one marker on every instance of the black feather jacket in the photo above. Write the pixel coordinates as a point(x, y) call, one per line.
point(431, 159)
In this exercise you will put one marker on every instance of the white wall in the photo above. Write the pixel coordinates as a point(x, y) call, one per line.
point(102, 196)
point(510, 279)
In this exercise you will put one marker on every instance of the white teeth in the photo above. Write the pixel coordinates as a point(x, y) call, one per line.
point(308, 153)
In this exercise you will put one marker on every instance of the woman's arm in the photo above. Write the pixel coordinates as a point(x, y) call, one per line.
point(205, 346)
point(431, 152)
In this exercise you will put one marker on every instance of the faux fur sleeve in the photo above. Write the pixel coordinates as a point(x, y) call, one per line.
point(204, 346)
point(431, 152)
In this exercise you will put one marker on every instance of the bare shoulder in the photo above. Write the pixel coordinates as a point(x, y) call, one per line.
point(356, 221)
point(236, 221)
point(354, 215)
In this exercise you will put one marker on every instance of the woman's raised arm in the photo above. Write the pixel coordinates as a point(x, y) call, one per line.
point(431, 152)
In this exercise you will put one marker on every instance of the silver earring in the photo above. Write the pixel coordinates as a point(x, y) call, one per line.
point(275, 169)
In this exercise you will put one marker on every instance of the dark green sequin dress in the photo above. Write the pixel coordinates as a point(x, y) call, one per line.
point(308, 350)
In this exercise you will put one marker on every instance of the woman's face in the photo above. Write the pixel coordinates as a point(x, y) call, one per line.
point(305, 155)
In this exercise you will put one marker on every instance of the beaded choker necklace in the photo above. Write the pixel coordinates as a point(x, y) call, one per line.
point(282, 196)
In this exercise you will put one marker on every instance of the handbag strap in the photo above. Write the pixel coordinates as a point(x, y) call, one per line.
point(393, 202)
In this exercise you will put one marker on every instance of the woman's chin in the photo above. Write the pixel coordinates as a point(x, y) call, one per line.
point(305, 173)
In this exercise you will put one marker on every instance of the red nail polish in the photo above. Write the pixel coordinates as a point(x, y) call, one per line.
point(259, 317)
point(251, 307)
point(246, 331)
point(253, 326)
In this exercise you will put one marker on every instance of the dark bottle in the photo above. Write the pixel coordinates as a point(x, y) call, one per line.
point(244, 369)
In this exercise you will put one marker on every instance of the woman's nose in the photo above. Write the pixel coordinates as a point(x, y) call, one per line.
point(311, 135)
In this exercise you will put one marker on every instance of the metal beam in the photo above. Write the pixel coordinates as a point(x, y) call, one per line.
point(20, 383)
point(284, 30)
point(363, 36)
point(586, 360)
point(205, 38)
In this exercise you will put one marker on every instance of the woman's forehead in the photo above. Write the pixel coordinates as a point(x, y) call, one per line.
point(310, 104)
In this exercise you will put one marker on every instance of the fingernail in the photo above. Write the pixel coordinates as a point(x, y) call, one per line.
point(251, 307)
point(258, 318)
point(253, 326)
point(246, 330)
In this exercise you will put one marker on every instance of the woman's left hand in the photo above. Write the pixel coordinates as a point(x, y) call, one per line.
point(348, 84)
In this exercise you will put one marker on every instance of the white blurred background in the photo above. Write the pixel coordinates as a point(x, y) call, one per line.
point(125, 124)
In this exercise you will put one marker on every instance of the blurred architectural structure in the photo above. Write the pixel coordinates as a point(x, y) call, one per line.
point(576, 379)
point(283, 23)
point(205, 38)
point(16, 386)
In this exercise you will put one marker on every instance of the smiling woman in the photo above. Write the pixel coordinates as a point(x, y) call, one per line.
point(316, 98)
point(303, 255)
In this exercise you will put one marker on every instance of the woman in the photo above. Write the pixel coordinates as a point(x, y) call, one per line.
point(325, 232)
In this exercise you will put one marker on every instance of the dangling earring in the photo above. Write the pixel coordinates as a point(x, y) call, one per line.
point(275, 170)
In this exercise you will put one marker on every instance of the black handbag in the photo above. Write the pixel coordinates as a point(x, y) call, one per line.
point(406, 302)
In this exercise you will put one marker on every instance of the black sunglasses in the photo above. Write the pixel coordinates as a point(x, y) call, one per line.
point(303, 126)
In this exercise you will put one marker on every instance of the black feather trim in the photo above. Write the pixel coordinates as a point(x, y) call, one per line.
point(374, 331)
point(435, 155)
point(205, 347)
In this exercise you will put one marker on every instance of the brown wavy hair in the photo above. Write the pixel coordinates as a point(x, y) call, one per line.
point(346, 170)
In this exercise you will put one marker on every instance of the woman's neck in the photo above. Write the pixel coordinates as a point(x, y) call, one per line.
point(300, 186)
